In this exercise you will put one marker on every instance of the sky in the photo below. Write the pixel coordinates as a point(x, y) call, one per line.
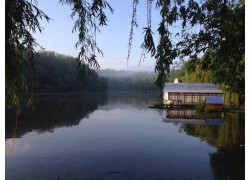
point(113, 39)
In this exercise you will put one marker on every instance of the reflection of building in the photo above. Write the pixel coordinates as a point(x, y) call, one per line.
point(188, 93)
point(181, 113)
point(189, 116)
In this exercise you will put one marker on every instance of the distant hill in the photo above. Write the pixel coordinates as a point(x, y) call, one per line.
point(129, 80)
point(60, 73)
point(110, 73)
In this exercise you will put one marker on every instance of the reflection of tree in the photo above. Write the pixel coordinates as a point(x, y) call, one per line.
point(138, 99)
point(232, 132)
point(228, 163)
point(63, 111)
point(229, 160)
point(52, 112)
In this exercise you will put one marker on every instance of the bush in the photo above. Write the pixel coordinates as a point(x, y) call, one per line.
point(200, 105)
point(209, 109)
point(242, 106)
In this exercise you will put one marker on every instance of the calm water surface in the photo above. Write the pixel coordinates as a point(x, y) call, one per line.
point(115, 136)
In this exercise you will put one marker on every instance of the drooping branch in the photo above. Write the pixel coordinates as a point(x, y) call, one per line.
point(89, 17)
point(148, 44)
point(86, 14)
point(133, 24)
point(22, 18)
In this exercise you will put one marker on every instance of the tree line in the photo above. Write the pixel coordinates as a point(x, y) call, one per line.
point(215, 28)
point(129, 80)
point(60, 73)
point(57, 73)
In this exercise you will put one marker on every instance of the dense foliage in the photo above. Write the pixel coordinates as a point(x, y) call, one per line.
point(194, 28)
point(56, 73)
point(195, 74)
point(59, 73)
point(22, 18)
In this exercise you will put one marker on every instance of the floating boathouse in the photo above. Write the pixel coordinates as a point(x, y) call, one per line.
point(188, 93)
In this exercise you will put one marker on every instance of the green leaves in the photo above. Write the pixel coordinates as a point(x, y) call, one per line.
point(89, 17)
point(148, 41)
point(215, 29)
point(22, 18)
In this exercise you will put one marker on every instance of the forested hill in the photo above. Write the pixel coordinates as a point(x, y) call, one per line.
point(110, 73)
point(59, 73)
point(129, 80)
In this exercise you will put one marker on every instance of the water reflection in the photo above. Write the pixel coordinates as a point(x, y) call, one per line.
point(228, 162)
point(127, 99)
point(51, 112)
point(65, 111)
point(115, 136)
point(190, 116)
point(231, 134)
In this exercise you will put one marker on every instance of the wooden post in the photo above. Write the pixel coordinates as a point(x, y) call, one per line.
point(184, 98)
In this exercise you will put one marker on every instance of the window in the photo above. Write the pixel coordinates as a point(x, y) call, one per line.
point(195, 98)
point(172, 97)
point(188, 99)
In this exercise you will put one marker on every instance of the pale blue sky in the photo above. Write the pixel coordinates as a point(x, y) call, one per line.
point(113, 39)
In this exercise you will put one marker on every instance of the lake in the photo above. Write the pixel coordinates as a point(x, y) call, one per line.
point(116, 136)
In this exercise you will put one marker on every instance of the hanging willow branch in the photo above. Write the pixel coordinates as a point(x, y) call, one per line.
point(133, 24)
point(22, 19)
point(148, 44)
point(86, 14)
point(149, 10)
point(89, 17)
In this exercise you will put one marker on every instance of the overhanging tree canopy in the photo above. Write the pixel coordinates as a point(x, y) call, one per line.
point(22, 18)
point(215, 29)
